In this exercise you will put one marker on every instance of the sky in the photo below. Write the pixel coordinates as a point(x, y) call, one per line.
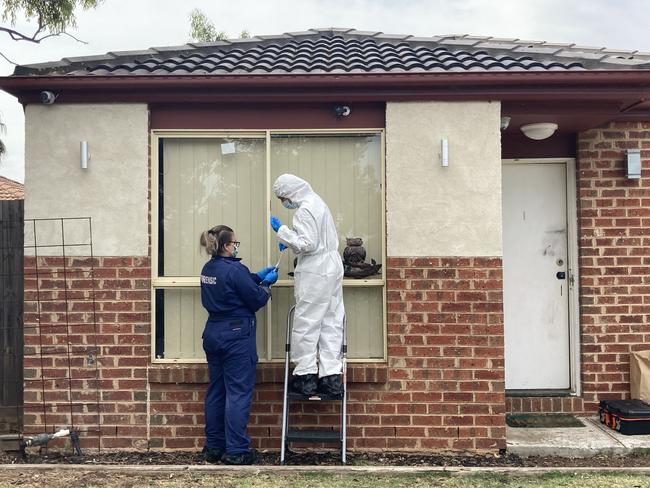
point(118, 25)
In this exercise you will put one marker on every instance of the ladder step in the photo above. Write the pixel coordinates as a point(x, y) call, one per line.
point(313, 436)
point(313, 398)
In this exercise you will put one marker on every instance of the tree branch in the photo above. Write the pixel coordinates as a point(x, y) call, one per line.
point(19, 36)
point(7, 59)
point(73, 37)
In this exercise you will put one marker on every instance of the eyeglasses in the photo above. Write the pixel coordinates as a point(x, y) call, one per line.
point(236, 243)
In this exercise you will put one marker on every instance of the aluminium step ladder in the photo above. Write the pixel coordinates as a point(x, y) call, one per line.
point(315, 436)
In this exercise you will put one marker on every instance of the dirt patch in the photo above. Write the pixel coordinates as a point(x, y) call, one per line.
point(640, 459)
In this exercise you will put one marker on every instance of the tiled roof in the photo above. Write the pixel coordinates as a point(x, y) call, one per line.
point(11, 190)
point(333, 50)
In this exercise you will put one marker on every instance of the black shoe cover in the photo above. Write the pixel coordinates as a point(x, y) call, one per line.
point(213, 454)
point(242, 459)
point(304, 384)
point(330, 385)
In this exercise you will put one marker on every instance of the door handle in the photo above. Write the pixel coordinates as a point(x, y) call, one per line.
point(560, 275)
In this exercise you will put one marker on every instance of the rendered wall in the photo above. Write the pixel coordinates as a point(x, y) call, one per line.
point(443, 211)
point(113, 190)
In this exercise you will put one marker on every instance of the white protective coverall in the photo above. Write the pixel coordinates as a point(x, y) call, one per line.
point(319, 314)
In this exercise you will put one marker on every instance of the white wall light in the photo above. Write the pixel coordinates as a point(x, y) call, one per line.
point(444, 152)
point(633, 164)
point(537, 132)
point(84, 155)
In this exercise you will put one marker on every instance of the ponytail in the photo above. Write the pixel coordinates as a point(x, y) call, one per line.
point(216, 239)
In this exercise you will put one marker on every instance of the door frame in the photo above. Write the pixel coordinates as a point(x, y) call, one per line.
point(573, 281)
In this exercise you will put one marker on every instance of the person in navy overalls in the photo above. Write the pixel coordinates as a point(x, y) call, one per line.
point(231, 294)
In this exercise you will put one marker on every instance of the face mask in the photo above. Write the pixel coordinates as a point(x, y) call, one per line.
point(289, 204)
point(234, 253)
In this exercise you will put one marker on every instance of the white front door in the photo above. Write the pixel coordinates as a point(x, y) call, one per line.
point(535, 276)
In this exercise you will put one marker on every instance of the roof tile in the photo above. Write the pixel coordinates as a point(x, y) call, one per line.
point(626, 61)
point(216, 44)
point(164, 49)
point(310, 32)
point(581, 55)
point(424, 39)
point(343, 50)
point(617, 51)
point(459, 42)
point(542, 49)
point(392, 36)
point(499, 40)
point(244, 40)
point(132, 54)
point(273, 37)
point(491, 44)
point(88, 59)
point(11, 190)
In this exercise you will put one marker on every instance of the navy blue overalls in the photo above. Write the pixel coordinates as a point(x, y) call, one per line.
point(231, 294)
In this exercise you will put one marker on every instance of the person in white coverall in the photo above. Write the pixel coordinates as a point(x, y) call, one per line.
point(319, 314)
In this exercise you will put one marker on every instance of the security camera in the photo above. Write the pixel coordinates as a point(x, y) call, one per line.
point(505, 122)
point(47, 97)
point(342, 110)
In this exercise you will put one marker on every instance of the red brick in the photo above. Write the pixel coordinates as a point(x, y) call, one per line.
point(398, 406)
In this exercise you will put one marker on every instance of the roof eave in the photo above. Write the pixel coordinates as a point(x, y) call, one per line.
point(601, 84)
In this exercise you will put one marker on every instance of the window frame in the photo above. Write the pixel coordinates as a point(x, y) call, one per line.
point(175, 282)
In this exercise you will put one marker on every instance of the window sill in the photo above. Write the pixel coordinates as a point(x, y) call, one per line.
point(193, 282)
point(266, 373)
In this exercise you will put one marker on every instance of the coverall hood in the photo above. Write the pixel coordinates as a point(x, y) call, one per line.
point(291, 187)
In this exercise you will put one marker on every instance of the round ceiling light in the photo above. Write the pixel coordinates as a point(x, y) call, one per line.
point(542, 130)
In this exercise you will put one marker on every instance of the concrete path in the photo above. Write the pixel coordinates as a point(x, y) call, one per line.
point(292, 470)
point(591, 440)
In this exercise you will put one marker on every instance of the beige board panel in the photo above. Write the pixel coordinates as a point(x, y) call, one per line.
point(280, 305)
point(185, 320)
point(206, 185)
point(112, 191)
point(346, 172)
point(433, 210)
point(364, 314)
point(203, 187)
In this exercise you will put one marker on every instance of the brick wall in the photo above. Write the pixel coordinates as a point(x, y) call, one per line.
point(87, 343)
point(443, 386)
point(614, 246)
point(445, 348)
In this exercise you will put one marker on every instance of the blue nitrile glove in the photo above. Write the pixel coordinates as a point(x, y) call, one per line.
point(281, 246)
point(275, 223)
point(263, 272)
point(270, 278)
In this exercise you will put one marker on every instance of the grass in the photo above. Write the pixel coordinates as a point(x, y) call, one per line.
point(321, 480)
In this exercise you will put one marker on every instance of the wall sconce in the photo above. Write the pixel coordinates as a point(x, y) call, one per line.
point(84, 155)
point(444, 152)
point(537, 132)
point(633, 164)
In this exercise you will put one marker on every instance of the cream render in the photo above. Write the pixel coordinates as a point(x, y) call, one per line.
point(433, 210)
point(113, 190)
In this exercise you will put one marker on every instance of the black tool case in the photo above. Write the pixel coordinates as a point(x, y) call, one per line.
point(629, 417)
